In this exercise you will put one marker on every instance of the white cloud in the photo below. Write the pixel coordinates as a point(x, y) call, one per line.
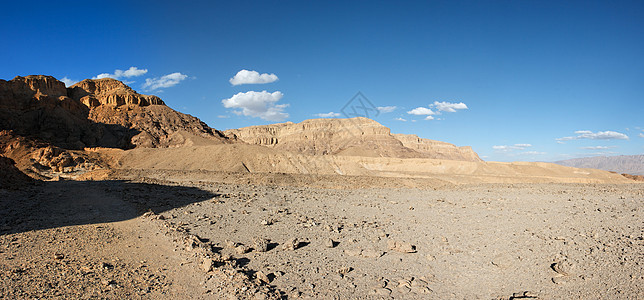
point(642, 135)
point(506, 148)
point(328, 115)
point(401, 119)
point(598, 147)
point(600, 135)
point(252, 77)
point(421, 111)
point(258, 105)
point(428, 118)
point(68, 82)
point(164, 81)
point(386, 109)
point(448, 106)
point(131, 72)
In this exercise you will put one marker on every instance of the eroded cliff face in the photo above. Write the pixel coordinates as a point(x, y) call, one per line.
point(353, 137)
point(107, 91)
point(437, 149)
point(51, 124)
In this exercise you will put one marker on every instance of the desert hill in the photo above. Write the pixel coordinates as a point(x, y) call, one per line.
point(48, 131)
point(45, 127)
point(348, 137)
point(629, 164)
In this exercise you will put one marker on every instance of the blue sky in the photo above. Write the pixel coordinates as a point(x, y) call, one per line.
point(541, 80)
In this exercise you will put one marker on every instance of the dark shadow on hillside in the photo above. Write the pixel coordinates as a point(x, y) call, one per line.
point(66, 203)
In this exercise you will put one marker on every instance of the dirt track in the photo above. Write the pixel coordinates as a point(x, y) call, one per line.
point(470, 241)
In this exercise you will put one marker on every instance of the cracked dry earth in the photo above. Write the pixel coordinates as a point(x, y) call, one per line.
point(215, 240)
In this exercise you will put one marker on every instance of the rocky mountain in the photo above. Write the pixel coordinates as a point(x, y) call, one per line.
point(629, 164)
point(45, 126)
point(349, 137)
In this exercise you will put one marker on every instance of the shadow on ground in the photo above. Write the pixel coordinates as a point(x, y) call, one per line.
point(65, 203)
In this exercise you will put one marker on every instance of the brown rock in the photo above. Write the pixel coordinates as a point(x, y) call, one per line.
point(399, 246)
point(354, 137)
point(291, 244)
point(260, 244)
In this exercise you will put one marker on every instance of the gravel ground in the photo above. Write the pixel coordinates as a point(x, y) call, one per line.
point(214, 240)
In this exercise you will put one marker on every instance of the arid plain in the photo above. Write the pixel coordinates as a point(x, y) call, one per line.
point(107, 193)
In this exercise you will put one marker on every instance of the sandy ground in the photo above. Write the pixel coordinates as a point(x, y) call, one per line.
point(242, 237)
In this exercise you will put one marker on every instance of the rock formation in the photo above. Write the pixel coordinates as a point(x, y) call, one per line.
point(43, 123)
point(437, 149)
point(352, 137)
point(107, 91)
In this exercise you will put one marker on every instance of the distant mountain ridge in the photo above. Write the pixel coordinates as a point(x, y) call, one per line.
point(629, 164)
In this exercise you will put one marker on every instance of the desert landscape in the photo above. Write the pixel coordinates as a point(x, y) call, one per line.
point(108, 193)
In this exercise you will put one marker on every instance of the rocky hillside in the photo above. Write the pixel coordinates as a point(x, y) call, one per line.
point(352, 137)
point(629, 164)
point(44, 126)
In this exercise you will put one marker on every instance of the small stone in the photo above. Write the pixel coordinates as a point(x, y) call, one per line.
point(381, 292)
point(329, 243)
point(372, 253)
point(560, 279)
point(241, 249)
point(345, 270)
point(563, 267)
point(430, 257)
point(290, 244)
point(231, 244)
point(402, 247)
point(260, 244)
point(262, 277)
point(207, 265)
point(403, 289)
point(59, 256)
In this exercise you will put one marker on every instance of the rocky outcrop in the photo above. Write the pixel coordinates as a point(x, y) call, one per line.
point(107, 91)
point(352, 137)
point(49, 122)
point(437, 149)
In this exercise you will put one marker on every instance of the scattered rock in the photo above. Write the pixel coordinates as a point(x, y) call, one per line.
point(59, 256)
point(262, 277)
point(372, 253)
point(260, 244)
point(402, 247)
point(241, 249)
point(207, 265)
point(381, 292)
point(290, 244)
point(563, 267)
point(329, 243)
point(524, 295)
point(345, 270)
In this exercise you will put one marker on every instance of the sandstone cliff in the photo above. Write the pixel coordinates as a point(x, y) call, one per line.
point(44, 126)
point(350, 137)
point(437, 149)
point(107, 91)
